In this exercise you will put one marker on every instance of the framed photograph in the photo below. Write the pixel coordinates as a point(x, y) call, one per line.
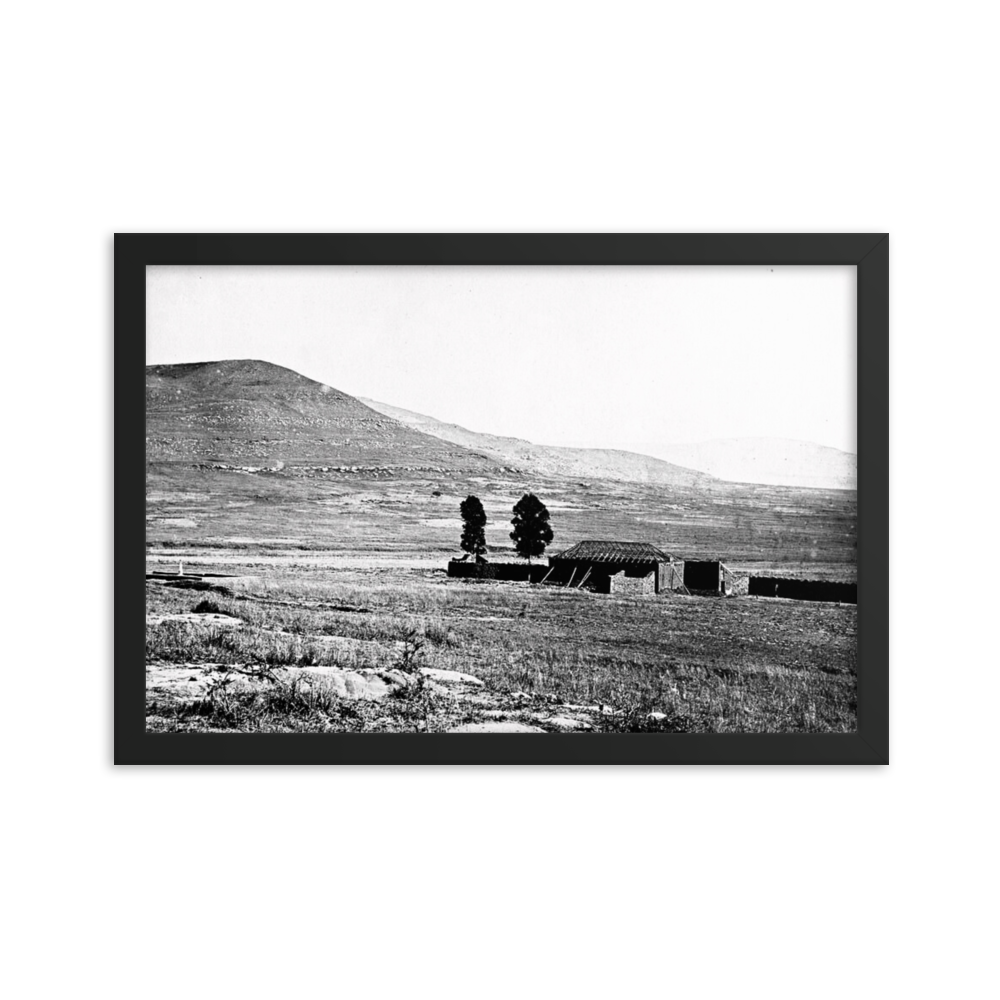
point(403, 498)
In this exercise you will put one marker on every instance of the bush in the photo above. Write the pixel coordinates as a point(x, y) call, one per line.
point(208, 608)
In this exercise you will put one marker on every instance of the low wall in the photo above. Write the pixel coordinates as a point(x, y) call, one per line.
point(803, 590)
point(497, 571)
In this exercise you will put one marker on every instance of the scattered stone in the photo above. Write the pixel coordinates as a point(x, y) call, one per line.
point(187, 681)
point(565, 724)
point(349, 684)
point(449, 676)
point(495, 727)
point(190, 618)
point(191, 681)
point(397, 678)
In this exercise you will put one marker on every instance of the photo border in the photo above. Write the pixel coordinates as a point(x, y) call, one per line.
point(869, 252)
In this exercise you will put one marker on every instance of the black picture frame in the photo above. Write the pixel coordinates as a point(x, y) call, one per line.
point(868, 251)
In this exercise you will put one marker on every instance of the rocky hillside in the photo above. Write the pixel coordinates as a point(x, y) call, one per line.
point(259, 415)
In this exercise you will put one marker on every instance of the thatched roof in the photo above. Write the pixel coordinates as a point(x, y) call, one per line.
point(619, 553)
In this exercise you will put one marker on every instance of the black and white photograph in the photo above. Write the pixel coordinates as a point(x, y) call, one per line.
point(576, 499)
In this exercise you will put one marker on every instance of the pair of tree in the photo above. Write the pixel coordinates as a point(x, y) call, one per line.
point(531, 527)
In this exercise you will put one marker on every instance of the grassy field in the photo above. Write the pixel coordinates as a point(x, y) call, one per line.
point(313, 515)
point(612, 663)
point(335, 572)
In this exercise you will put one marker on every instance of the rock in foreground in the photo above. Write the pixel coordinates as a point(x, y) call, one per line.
point(495, 727)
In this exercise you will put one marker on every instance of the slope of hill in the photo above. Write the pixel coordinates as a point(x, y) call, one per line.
point(770, 461)
point(253, 413)
point(580, 463)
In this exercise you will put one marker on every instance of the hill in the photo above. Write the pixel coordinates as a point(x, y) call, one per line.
point(550, 460)
point(257, 414)
point(762, 461)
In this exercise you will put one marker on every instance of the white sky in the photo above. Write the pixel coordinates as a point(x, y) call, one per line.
point(605, 356)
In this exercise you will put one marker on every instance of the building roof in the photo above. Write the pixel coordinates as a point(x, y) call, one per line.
point(614, 552)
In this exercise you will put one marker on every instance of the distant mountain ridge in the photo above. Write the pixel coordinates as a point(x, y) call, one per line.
point(770, 461)
point(551, 460)
point(764, 461)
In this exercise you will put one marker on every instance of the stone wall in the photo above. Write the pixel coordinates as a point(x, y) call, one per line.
point(497, 570)
point(804, 590)
point(633, 585)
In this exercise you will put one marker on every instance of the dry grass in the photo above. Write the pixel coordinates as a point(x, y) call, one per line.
point(250, 517)
point(707, 664)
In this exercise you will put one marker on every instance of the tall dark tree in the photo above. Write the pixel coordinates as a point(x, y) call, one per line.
point(474, 526)
point(531, 527)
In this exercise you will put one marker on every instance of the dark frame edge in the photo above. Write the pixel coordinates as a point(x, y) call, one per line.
point(870, 252)
point(873, 496)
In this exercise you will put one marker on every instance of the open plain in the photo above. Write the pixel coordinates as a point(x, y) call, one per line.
point(342, 575)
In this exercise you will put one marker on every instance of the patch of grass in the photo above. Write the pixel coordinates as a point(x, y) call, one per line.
point(631, 698)
point(208, 608)
point(439, 633)
point(276, 703)
point(290, 703)
point(706, 664)
point(180, 642)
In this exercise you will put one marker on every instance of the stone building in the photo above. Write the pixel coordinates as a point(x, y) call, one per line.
point(617, 567)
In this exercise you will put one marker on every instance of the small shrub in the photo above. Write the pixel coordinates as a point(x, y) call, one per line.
point(207, 608)
point(416, 700)
point(438, 633)
point(231, 705)
point(411, 654)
